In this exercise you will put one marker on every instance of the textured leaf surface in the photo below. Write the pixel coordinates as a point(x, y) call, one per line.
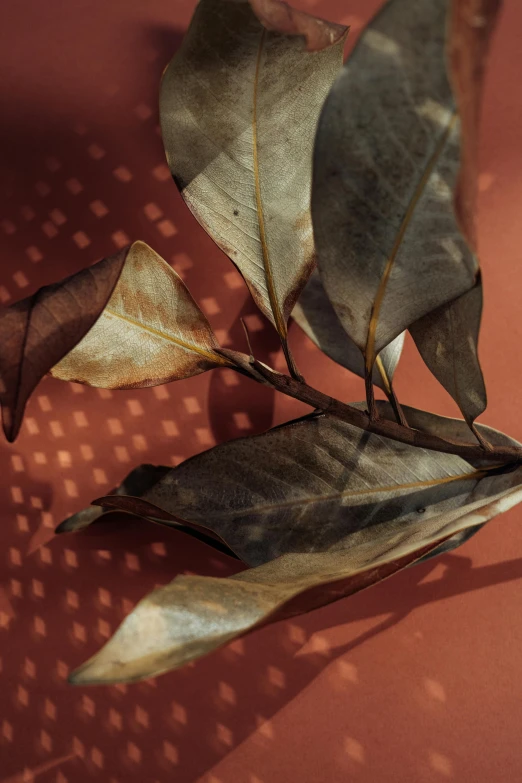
point(317, 318)
point(37, 332)
point(135, 483)
point(239, 107)
point(447, 340)
point(317, 485)
point(151, 331)
point(194, 615)
point(386, 166)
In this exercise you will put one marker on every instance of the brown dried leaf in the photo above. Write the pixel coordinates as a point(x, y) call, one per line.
point(138, 481)
point(193, 615)
point(386, 164)
point(38, 331)
point(151, 331)
point(281, 18)
point(239, 105)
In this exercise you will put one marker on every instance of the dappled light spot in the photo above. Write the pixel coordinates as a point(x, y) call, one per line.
point(354, 750)
point(441, 764)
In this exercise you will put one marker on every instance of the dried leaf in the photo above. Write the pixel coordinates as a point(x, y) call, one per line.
point(320, 484)
point(317, 318)
point(151, 331)
point(471, 28)
point(38, 331)
point(385, 170)
point(135, 483)
point(239, 105)
point(195, 615)
point(447, 340)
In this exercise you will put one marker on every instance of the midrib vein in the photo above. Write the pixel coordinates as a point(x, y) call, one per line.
point(476, 474)
point(274, 304)
point(374, 319)
point(214, 357)
point(384, 375)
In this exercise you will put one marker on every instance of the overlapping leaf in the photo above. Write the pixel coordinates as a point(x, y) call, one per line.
point(239, 106)
point(38, 331)
point(386, 164)
point(339, 515)
point(314, 485)
point(136, 483)
point(447, 340)
point(317, 318)
point(151, 331)
point(193, 615)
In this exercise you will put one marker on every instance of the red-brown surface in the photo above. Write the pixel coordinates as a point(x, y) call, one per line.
point(415, 680)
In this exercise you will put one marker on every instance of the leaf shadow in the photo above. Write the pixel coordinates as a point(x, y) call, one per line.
point(248, 682)
point(237, 406)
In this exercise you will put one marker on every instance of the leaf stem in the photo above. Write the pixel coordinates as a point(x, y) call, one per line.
point(292, 367)
point(370, 394)
point(300, 390)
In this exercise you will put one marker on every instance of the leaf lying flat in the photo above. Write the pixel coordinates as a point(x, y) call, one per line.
point(385, 169)
point(151, 331)
point(317, 318)
point(315, 485)
point(38, 331)
point(194, 615)
point(239, 107)
point(447, 340)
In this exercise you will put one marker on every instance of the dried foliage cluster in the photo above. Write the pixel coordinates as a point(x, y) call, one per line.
point(290, 160)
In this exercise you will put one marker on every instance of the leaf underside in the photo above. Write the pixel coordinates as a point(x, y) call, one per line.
point(239, 106)
point(151, 331)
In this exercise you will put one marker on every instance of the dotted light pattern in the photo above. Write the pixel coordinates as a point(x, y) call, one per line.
point(314, 699)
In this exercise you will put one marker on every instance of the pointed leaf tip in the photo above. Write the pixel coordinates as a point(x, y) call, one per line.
point(280, 17)
point(239, 104)
point(156, 331)
point(39, 331)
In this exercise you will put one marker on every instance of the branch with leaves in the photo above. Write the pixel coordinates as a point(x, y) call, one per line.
point(290, 160)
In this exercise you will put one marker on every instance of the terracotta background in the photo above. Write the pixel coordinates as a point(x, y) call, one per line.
point(418, 679)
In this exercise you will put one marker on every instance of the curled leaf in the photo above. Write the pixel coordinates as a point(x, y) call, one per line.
point(239, 105)
point(317, 318)
point(135, 483)
point(319, 484)
point(151, 331)
point(37, 332)
point(279, 17)
point(194, 615)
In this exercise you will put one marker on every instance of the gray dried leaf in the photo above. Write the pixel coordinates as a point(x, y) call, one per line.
point(320, 484)
point(447, 339)
point(387, 164)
